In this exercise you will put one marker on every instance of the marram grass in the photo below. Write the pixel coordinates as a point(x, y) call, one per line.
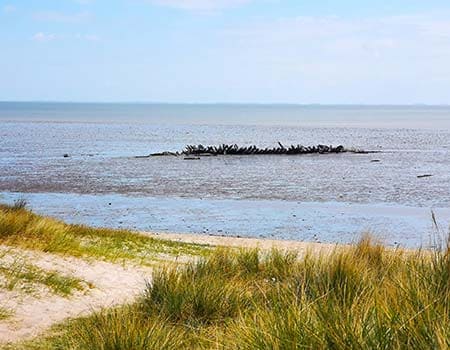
point(18, 273)
point(5, 313)
point(20, 227)
point(363, 297)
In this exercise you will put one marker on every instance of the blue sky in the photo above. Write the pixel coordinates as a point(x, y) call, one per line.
point(265, 51)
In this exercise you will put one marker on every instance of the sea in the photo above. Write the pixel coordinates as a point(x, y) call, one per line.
point(77, 162)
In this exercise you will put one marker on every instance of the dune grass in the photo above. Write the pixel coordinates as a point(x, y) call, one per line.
point(5, 313)
point(22, 228)
point(364, 297)
point(18, 274)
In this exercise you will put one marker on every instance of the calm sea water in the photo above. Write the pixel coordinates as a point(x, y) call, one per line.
point(299, 197)
point(229, 114)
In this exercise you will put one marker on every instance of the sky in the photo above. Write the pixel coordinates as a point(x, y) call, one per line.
point(242, 51)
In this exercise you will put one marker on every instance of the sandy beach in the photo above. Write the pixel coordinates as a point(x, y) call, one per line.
point(243, 242)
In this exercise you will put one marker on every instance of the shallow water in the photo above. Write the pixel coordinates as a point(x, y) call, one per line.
point(412, 141)
point(232, 114)
point(102, 161)
point(318, 222)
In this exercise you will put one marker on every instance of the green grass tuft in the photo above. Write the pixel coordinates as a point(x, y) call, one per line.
point(18, 274)
point(5, 313)
point(105, 331)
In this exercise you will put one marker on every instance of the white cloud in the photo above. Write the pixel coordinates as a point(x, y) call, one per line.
point(200, 5)
point(87, 37)
point(391, 59)
point(320, 38)
point(54, 16)
point(42, 37)
point(9, 9)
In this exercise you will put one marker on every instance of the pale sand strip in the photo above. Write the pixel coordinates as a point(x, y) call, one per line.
point(243, 242)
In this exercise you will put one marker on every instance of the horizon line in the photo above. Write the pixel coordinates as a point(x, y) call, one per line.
point(218, 103)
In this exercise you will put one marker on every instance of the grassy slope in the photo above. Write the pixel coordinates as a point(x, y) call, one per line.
point(363, 298)
point(22, 228)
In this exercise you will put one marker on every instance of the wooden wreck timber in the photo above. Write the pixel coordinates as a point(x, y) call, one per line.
point(200, 150)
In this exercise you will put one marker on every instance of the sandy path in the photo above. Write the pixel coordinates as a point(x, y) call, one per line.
point(114, 285)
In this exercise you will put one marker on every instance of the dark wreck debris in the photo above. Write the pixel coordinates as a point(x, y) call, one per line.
point(224, 149)
point(165, 154)
point(423, 176)
point(250, 150)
